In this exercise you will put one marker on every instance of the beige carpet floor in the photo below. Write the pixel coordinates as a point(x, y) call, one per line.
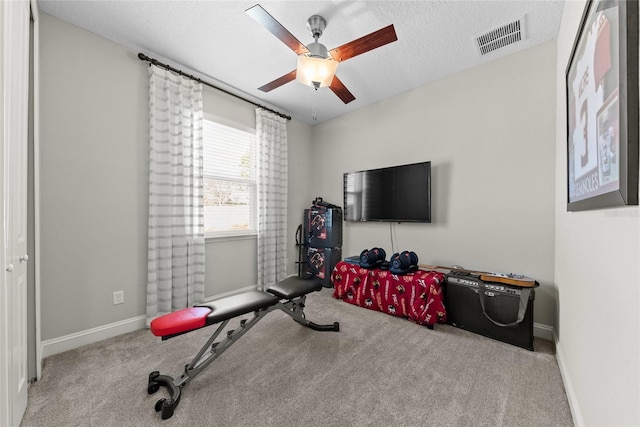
point(377, 371)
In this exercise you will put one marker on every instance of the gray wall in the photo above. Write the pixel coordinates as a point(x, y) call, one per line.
point(489, 134)
point(94, 155)
point(598, 277)
point(93, 180)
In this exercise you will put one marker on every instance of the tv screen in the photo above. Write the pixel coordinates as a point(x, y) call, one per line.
point(395, 194)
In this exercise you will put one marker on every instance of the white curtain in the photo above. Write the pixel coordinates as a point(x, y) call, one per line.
point(175, 269)
point(271, 133)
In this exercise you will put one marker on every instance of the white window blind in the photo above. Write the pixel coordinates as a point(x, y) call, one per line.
point(229, 180)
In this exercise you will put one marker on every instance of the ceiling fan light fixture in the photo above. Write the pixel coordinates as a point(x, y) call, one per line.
point(316, 66)
point(315, 72)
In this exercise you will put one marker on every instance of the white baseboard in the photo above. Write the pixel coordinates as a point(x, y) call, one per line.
point(543, 331)
point(90, 336)
point(576, 413)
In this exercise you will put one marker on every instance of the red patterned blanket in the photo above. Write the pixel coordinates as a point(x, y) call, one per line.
point(416, 296)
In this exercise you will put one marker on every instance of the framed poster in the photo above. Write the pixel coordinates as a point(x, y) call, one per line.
point(602, 108)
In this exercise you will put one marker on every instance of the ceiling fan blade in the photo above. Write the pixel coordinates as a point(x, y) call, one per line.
point(275, 28)
point(364, 44)
point(341, 90)
point(279, 82)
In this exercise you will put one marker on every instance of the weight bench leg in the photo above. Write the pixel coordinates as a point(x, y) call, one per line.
point(295, 309)
point(212, 349)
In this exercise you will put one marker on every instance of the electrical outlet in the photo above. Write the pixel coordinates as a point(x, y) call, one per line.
point(118, 297)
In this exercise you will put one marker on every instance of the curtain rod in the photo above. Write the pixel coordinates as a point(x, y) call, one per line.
point(144, 57)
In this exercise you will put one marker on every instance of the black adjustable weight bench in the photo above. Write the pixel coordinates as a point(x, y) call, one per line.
point(288, 295)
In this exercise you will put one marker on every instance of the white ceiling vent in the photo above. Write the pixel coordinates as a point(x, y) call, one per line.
point(504, 35)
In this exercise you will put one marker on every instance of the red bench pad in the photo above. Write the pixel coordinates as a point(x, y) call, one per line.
point(180, 321)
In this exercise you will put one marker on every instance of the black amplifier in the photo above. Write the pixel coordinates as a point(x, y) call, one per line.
point(495, 310)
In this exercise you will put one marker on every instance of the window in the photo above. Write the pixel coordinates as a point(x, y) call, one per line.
point(230, 205)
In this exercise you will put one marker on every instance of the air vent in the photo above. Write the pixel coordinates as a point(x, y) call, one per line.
point(509, 33)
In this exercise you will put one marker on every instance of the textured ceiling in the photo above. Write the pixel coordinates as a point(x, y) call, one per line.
point(219, 42)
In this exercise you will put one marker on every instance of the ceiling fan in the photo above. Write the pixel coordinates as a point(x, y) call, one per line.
point(315, 58)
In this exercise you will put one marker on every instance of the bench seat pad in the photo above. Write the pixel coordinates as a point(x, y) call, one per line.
point(294, 287)
point(237, 305)
point(191, 318)
point(177, 322)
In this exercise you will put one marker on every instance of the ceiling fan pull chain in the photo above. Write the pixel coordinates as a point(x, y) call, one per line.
point(314, 105)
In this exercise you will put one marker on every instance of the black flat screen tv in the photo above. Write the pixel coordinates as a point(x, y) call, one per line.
point(393, 194)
